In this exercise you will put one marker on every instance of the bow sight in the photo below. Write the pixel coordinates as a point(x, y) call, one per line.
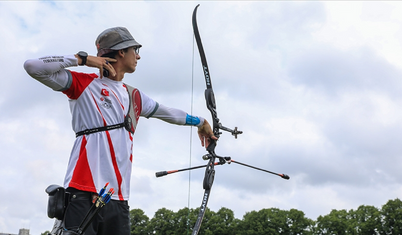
point(211, 105)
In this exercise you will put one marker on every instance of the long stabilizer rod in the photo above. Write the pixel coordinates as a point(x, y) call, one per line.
point(286, 177)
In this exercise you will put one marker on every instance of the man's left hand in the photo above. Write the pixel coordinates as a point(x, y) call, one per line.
point(206, 134)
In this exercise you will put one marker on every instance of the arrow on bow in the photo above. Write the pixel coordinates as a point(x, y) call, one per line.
point(216, 127)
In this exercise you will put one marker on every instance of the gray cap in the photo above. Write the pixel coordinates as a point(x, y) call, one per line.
point(114, 39)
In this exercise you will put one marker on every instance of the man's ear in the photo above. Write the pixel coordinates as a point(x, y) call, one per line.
point(121, 53)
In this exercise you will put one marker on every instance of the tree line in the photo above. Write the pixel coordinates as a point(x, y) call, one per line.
point(362, 221)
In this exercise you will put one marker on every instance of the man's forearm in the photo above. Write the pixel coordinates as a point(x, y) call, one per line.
point(177, 116)
point(50, 70)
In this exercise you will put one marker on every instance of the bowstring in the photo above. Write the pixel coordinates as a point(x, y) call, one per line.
point(191, 139)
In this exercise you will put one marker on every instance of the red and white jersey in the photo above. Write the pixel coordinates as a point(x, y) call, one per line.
point(104, 156)
point(107, 155)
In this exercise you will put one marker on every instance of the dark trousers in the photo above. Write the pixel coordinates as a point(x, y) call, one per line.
point(112, 219)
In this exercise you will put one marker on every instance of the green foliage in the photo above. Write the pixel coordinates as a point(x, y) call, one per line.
point(362, 221)
point(365, 220)
point(138, 222)
point(392, 217)
point(184, 220)
point(162, 223)
point(298, 223)
point(336, 223)
point(223, 222)
point(275, 221)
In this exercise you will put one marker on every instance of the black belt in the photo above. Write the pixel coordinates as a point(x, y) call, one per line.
point(98, 129)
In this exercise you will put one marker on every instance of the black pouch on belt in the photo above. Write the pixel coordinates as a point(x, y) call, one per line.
point(57, 201)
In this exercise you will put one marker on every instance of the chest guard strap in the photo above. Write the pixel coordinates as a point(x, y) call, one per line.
point(130, 120)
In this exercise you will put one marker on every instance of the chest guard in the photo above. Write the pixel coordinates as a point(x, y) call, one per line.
point(134, 111)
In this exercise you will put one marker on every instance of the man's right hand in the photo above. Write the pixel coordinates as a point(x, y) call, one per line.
point(100, 63)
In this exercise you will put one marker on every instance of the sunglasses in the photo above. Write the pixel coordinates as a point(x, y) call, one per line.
point(137, 50)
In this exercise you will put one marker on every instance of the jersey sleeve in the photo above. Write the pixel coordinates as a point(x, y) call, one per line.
point(152, 109)
point(79, 82)
point(51, 70)
point(149, 106)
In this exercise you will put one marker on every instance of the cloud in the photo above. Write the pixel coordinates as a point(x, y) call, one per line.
point(332, 71)
point(314, 86)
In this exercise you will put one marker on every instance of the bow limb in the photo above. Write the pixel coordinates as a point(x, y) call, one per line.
point(216, 126)
point(209, 93)
point(210, 102)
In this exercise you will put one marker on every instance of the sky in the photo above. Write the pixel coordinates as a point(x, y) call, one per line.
point(315, 87)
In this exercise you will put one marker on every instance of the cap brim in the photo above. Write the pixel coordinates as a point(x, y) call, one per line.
point(126, 44)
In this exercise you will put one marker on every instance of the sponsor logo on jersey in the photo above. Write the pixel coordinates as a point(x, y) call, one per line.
point(106, 102)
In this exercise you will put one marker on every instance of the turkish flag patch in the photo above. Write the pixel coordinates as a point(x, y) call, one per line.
point(105, 92)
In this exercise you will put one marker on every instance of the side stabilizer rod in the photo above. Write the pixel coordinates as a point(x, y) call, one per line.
point(163, 173)
point(227, 160)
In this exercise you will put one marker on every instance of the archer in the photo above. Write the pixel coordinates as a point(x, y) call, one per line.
point(105, 112)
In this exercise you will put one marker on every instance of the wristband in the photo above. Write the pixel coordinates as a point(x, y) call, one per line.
point(192, 120)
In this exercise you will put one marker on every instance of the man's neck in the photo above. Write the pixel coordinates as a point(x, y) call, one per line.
point(119, 73)
point(119, 77)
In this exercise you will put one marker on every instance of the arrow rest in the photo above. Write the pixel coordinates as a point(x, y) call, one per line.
point(206, 156)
